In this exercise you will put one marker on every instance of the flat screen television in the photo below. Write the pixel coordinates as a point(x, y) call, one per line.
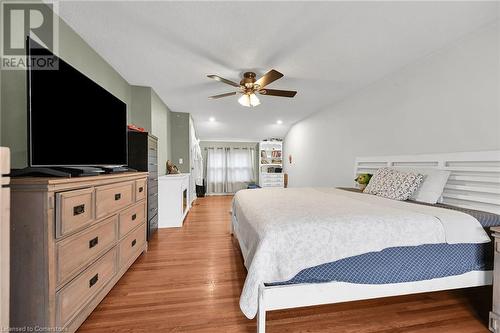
point(72, 121)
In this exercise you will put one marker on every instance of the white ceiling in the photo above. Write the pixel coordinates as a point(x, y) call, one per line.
point(327, 50)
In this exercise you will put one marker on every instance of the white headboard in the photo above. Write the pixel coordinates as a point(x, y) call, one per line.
point(474, 181)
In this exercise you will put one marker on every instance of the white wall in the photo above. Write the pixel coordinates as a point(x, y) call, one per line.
point(447, 102)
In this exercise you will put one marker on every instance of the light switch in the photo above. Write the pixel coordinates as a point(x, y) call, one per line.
point(181, 160)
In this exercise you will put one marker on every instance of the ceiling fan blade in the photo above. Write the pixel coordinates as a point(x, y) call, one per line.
point(280, 93)
point(223, 95)
point(269, 77)
point(223, 80)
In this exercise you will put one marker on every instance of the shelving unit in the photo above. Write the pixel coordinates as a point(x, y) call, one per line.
point(271, 164)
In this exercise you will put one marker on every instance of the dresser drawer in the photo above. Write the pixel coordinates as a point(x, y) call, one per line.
point(132, 217)
point(111, 198)
point(152, 142)
point(152, 187)
point(152, 211)
point(152, 160)
point(77, 250)
point(131, 244)
point(140, 189)
point(153, 167)
point(75, 295)
point(74, 210)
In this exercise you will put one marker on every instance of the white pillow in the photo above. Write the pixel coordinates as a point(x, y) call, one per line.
point(432, 188)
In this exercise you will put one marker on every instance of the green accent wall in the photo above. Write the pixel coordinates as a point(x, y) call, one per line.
point(144, 107)
point(180, 140)
point(75, 51)
point(161, 128)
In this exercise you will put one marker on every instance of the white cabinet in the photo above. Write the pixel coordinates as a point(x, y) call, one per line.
point(173, 200)
point(271, 164)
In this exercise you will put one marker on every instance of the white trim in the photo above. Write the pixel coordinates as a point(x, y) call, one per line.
point(474, 181)
point(307, 294)
point(285, 297)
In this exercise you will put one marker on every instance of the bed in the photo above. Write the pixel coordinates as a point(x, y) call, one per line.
point(311, 246)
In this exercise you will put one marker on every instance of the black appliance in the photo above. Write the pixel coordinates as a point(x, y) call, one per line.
point(72, 120)
point(143, 156)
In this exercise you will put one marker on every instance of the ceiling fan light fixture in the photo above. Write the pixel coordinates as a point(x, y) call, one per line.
point(249, 100)
point(244, 100)
point(254, 100)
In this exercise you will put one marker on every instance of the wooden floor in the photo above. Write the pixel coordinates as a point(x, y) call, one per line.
point(191, 278)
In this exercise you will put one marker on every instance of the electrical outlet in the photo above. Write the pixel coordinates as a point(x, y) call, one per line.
point(181, 161)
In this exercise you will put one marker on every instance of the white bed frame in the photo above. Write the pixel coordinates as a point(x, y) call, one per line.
point(474, 183)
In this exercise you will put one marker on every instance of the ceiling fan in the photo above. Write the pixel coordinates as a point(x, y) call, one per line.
point(248, 86)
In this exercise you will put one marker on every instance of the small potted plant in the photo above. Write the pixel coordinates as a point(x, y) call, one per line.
point(363, 179)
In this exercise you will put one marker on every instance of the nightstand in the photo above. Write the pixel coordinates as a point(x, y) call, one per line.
point(495, 313)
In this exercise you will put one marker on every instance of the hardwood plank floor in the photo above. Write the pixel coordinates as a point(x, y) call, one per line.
point(191, 278)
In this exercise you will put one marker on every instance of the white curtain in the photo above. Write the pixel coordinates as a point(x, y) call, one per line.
point(229, 169)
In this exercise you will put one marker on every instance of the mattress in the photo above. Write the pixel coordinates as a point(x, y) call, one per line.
point(407, 264)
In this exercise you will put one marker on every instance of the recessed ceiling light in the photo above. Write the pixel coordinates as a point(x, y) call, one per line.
point(279, 122)
point(211, 119)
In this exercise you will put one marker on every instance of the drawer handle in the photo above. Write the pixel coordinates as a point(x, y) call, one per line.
point(134, 217)
point(93, 280)
point(80, 209)
point(93, 242)
point(141, 189)
point(133, 242)
point(118, 196)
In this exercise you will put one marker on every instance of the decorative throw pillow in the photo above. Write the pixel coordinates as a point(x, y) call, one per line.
point(394, 184)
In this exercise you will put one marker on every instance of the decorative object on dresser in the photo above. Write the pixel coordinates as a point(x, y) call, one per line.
point(71, 241)
point(4, 237)
point(271, 164)
point(143, 156)
point(173, 200)
point(495, 313)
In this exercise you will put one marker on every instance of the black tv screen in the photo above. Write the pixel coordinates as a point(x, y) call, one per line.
point(72, 121)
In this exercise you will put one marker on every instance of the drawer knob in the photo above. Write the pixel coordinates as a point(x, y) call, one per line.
point(134, 217)
point(94, 280)
point(93, 242)
point(141, 189)
point(80, 209)
point(118, 196)
point(134, 242)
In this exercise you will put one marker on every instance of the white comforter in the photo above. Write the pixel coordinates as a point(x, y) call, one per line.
point(283, 231)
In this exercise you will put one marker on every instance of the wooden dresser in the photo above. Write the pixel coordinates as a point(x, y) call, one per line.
point(71, 241)
point(495, 314)
point(4, 238)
